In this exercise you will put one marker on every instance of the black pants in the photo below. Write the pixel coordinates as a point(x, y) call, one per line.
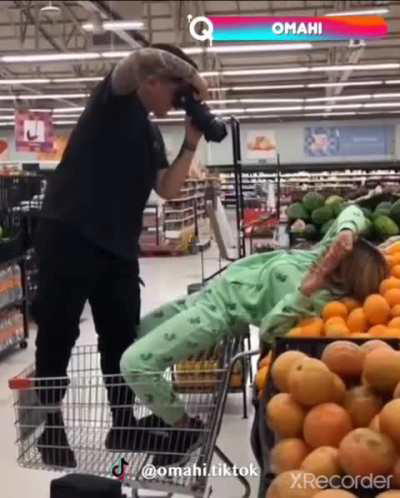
point(72, 271)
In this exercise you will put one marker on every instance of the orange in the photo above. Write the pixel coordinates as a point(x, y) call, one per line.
point(393, 248)
point(382, 370)
point(389, 420)
point(288, 454)
point(266, 361)
point(395, 311)
point(378, 331)
point(295, 332)
point(262, 378)
point(396, 271)
point(311, 382)
point(344, 358)
point(312, 327)
point(336, 330)
point(285, 416)
point(392, 332)
point(395, 258)
point(376, 309)
point(395, 323)
point(292, 484)
point(389, 261)
point(323, 461)
point(334, 308)
point(357, 321)
point(326, 425)
point(389, 283)
point(392, 296)
point(281, 368)
point(351, 303)
point(359, 335)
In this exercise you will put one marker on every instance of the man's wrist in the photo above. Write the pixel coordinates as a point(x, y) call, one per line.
point(189, 146)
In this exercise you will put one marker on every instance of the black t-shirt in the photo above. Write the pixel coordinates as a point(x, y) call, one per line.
point(107, 172)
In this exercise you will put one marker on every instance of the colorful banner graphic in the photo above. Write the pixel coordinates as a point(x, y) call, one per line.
point(293, 28)
point(34, 131)
point(4, 149)
point(260, 144)
point(331, 141)
point(59, 145)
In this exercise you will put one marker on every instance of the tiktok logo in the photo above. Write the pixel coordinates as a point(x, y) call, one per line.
point(206, 28)
point(120, 469)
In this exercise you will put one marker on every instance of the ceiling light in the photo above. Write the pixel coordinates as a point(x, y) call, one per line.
point(383, 104)
point(237, 49)
point(340, 97)
point(40, 96)
point(345, 83)
point(50, 9)
point(273, 109)
point(27, 81)
point(356, 67)
point(116, 54)
point(51, 57)
point(332, 106)
point(67, 109)
point(367, 12)
point(392, 82)
point(255, 88)
point(385, 95)
point(251, 101)
point(69, 116)
point(64, 122)
point(78, 80)
point(115, 25)
point(256, 72)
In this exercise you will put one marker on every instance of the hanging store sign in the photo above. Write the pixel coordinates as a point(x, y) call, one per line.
point(34, 131)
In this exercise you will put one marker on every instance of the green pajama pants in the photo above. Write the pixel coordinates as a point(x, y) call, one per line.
point(173, 333)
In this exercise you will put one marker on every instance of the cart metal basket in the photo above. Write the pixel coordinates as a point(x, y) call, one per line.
point(87, 420)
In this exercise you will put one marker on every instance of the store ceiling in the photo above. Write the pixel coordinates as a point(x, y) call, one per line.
point(24, 29)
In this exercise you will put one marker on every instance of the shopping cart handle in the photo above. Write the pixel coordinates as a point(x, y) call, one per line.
point(241, 355)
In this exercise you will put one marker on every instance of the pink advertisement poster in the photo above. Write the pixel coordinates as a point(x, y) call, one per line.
point(34, 131)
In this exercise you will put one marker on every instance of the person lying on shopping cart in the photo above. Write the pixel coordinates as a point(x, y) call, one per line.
point(270, 290)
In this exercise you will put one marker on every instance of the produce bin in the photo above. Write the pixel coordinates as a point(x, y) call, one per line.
point(263, 439)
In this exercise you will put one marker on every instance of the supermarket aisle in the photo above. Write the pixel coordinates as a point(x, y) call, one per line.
point(167, 278)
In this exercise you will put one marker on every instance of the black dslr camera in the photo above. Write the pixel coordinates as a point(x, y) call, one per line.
point(213, 128)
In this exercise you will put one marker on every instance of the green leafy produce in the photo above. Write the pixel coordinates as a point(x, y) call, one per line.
point(310, 232)
point(326, 226)
point(385, 226)
point(334, 199)
point(312, 201)
point(296, 211)
point(298, 227)
point(395, 211)
point(322, 215)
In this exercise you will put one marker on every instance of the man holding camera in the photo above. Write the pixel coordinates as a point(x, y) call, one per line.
point(87, 242)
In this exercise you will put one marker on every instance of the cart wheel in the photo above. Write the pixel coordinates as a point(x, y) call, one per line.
point(23, 344)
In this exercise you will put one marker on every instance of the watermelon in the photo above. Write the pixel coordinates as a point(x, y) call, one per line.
point(296, 211)
point(322, 215)
point(312, 201)
point(334, 199)
point(385, 226)
point(382, 209)
point(367, 212)
point(395, 211)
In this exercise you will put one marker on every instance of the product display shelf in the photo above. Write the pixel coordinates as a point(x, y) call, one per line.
point(174, 228)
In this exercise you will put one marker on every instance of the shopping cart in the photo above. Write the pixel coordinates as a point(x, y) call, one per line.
point(87, 421)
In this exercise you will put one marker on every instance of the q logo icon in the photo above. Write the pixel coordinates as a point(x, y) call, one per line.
point(119, 469)
point(206, 33)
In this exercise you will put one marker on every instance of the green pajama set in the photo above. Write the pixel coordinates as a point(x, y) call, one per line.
point(262, 290)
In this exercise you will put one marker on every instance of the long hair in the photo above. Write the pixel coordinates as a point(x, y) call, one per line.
point(360, 273)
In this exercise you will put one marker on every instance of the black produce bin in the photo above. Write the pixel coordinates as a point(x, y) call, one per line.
point(12, 248)
point(261, 448)
point(85, 486)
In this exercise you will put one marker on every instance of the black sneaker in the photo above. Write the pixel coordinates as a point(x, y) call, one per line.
point(181, 444)
point(54, 447)
point(142, 436)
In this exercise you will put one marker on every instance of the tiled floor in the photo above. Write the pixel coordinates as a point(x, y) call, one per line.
point(166, 279)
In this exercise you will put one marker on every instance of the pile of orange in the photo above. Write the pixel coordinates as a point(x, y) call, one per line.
point(377, 316)
point(335, 416)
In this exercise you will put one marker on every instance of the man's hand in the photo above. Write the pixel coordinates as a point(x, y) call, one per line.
point(192, 133)
point(201, 86)
point(316, 277)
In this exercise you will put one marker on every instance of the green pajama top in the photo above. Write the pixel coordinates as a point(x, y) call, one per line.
point(277, 277)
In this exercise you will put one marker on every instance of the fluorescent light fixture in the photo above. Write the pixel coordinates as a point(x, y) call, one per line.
point(385, 95)
point(274, 109)
point(366, 12)
point(51, 57)
point(67, 109)
point(382, 104)
point(88, 79)
point(345, 83)
point(3, 125)
point(68, 116)
point(333, 106)
point(27, 81)
point(339, 97)
point(116, 54)
point(38, 96)
point(255, 88)
point(252, 101)
point(237, 49)
point(115, 25)
point(356, 67)
point(302, 69)
point(168, 120)
point(64, 122)
point(392, 82)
